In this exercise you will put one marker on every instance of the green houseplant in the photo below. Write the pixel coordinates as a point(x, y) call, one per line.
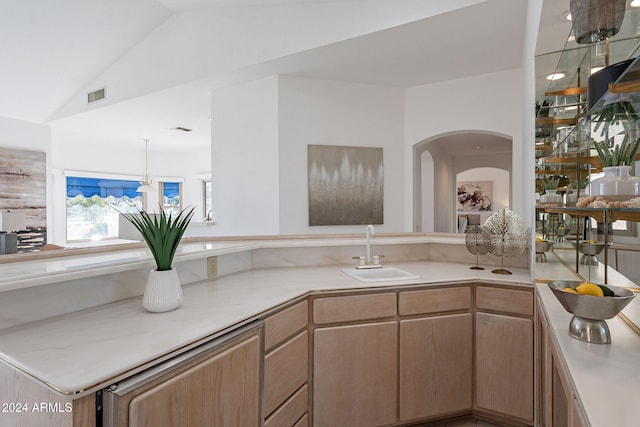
point(616, 111)
point(622, 154)
point(616, 117)
point(162, 233)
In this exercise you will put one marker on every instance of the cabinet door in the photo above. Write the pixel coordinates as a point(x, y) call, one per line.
point(543, 357)
point(355, 375)
point(435, 366)
point(221, 389)
point(504, 365)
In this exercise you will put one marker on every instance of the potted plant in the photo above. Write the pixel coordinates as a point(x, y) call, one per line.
point(622, 154)
point(616, 158)
point(617, 110)
point(162, 233)
point(550, 195)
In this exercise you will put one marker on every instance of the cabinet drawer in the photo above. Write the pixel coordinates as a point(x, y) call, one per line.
point(505, 300)
point(356, 307)
point(434, 300)
point(291, 411)
point(286, 369)
point(284, 324)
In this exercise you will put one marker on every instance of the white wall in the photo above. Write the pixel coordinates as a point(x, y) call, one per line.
point(326, 112)
point(196, 169)
point(500, 195)
point(77, 152)
point(25, 135)
point(244, 158)
point(489, 102)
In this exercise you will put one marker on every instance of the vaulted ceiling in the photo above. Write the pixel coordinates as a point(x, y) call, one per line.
point(161, 59)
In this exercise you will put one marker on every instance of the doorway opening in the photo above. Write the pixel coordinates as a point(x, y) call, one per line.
point(437, 163)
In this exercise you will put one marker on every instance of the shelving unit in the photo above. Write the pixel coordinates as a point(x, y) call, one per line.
point(604, 216)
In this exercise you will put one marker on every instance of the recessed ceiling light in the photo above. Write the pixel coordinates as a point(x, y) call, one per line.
point(595, 69)
point(555, 76)
point(635, 3)
point(477, 147)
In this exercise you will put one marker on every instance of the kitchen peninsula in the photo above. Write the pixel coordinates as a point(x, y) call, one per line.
point(73, 327)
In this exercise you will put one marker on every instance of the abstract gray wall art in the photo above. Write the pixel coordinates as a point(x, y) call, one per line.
point(345, 185)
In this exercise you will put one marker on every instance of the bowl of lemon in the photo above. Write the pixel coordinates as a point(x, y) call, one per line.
point(591, 304)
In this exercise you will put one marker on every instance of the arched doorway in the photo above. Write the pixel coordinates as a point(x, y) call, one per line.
point(437, 161)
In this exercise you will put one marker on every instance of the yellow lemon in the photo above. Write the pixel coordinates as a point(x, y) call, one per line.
point(588, 288)
point(570, 290)
point(539, 240)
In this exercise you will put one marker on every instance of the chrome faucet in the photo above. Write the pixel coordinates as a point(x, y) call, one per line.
point(369, 261)
point(369, 233)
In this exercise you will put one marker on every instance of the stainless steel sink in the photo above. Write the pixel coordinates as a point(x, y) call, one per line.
point(382, 274)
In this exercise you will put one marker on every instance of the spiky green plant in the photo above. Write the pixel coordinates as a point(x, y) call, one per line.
point(613, 113)
point(620, 155)
point(620, 112)
point(551, 184)
point(162, 233)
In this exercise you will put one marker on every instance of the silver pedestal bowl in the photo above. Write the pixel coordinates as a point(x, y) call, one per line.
point(561, 233)
point(590, 312)
point(589, 251)
point(541, 249)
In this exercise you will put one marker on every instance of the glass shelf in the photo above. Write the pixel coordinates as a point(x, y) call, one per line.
point(602, 215)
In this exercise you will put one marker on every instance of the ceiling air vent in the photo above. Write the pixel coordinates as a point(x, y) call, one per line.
point(182, 129)
point(96, 95)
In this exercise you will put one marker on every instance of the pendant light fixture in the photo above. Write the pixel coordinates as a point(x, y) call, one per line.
point(596, 20)
point(145, 182)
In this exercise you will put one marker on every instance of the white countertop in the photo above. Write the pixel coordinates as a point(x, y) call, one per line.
point(41, 271)
point(606, 376)
point(36, 272)
point(84, 351)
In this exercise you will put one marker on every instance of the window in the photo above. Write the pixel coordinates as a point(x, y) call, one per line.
point(207, 214)
point(94, 206)
point(171, 193)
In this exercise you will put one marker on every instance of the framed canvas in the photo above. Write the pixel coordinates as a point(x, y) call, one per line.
point(475, 195)
point(345, 185)
point(23, 188)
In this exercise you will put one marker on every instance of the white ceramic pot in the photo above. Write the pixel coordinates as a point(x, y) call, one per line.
point(551, 197)
point(616, 184)
point(163, 291)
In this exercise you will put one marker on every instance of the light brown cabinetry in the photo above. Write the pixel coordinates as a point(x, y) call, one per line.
point(435, 366)
point(558, 405)
point(355, 366)
point(355, 375)
point(286, 366)
point(28, 403)
point(408, 358)
point(436, 352)
point(504, 354)
point(218, 384)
